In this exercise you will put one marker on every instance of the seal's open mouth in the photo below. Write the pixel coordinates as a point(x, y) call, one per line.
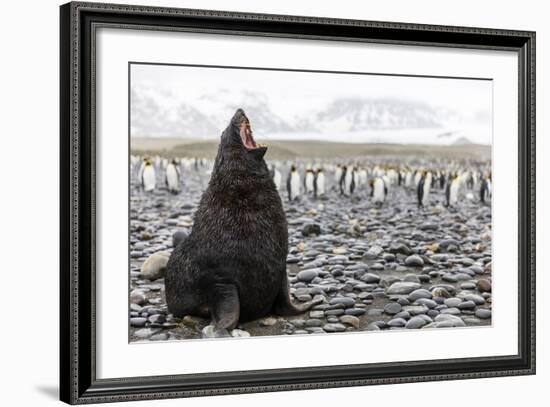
point(246, 135)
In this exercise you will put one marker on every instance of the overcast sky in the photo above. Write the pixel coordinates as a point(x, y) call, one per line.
point(160, 91)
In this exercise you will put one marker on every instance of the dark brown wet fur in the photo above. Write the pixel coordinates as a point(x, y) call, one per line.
point(232, 266)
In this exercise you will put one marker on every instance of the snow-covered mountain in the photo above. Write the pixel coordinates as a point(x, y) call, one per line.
point(151, 116)
point(158, 113)
point(365, 114)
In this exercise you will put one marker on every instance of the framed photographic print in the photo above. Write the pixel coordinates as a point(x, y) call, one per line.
point(255, 203)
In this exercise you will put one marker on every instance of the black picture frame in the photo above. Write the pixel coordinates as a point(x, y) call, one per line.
point(78, 382)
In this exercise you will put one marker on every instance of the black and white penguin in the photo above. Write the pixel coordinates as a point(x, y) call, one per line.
point(309, 181)
point(442, 180)
point(417, 177)
point(362, 177)
point(399, 177)
point(173, 177)
point(148, 176)
point(378, 191)
point(409, 177)
point(319, 183)
point(347, 181)
point(391, 176)
point(158, 162)
point(423, 189)
point(343, 171)
point(486, 189)
point(293, 184)
point(434, 180)
point(337, 174)
point(134, 163)
point(469, 180)
point(451, 191)
point(141, 167)
point(276, 176)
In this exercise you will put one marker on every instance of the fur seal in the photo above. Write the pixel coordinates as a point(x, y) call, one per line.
point(232, 266)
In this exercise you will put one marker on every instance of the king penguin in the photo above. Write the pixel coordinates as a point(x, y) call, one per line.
point(442, 180)
point(309, 182)
point(362, 177)
point(293, 184)
point(173, 176)
point(347, 181)
point(409, 176)
point(148, 177)
point(277, 177)
point(337, 174)
point(451, 191)
point(319, 183)
point(417, 177)
point(486, 188)
point(378, 191)
point(423, 189)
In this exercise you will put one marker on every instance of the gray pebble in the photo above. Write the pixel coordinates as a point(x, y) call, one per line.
point(483, 313)
point(392, 308)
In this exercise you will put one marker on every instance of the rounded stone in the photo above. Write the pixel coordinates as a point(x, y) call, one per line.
point(397, 323)
point(178, 237)
point(355, 311)
point(137, 297)
point(162, 336)
point(392, 308)
point(440, 292)
point(334, 328)
point(239, 333)
point(145, 333)
point(138, 322)
point(419, 293)
point(452, 302)
point(427, 302)
point(350, 320)
point(269, 321)
point(467, 305)
point(370, 278)
point(416, 322)
point(307, 275)
point(155, 266)
point(402, 287)
point(484, 285)
point(403, 314)
point(445, 320)
point(477, 299)
point(313, 323)
point(345, 301)
point(483, 313)
point(414, 261)
point(450, 311)
point(311, 229)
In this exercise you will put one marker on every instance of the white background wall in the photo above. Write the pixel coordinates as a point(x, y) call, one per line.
point(29, 162)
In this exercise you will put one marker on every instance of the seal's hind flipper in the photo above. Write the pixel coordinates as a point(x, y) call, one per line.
point(224, 306)
point(284, 305)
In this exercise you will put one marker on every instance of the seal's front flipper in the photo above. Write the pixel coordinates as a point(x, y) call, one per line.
point(224, 306)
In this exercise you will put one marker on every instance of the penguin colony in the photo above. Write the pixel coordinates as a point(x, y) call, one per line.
point(156, 172)
point(338, 208)
point(357, 179)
